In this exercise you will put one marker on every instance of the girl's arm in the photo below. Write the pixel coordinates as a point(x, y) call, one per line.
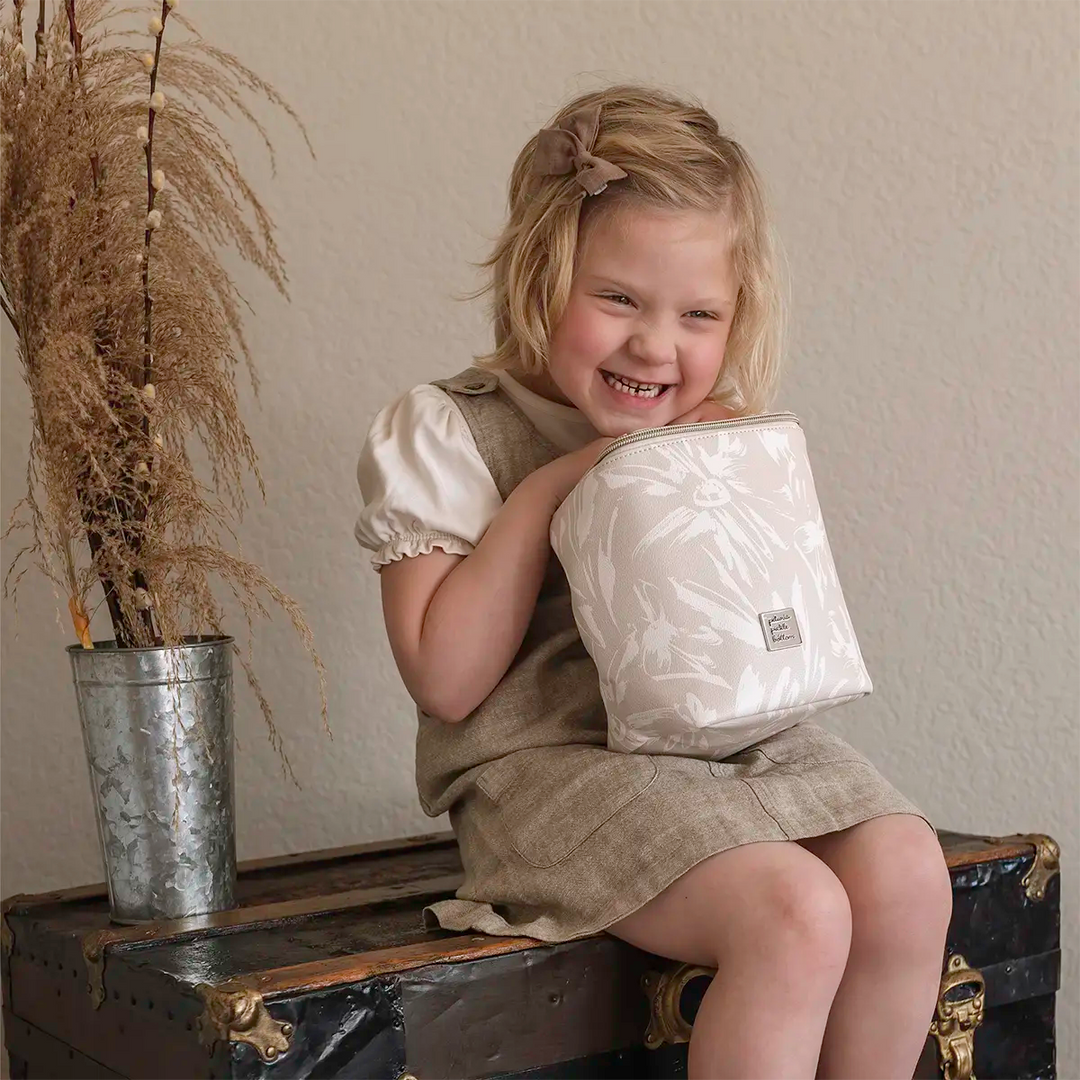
point(456, 622)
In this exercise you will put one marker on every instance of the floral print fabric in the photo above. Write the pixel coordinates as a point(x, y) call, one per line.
point(685, 553)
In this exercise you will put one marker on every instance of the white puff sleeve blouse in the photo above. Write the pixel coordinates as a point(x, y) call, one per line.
point(423, 481)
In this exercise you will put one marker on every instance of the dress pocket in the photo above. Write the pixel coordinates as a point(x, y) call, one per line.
point(551, 799)
point(807, 743)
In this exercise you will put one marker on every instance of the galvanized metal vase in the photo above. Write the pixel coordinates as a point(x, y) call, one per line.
point(157, 725)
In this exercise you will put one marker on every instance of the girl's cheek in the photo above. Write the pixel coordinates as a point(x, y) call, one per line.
point(707, 371)
point(588, 336)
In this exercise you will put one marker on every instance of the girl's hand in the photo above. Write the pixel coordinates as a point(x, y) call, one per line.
point(559, 477)
point(703, 413)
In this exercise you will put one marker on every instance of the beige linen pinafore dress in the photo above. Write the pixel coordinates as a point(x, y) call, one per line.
point(561, 837)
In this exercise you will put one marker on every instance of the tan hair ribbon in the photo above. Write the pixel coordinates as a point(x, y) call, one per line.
point(563, 150)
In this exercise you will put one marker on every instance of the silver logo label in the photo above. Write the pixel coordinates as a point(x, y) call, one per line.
point(781, 629)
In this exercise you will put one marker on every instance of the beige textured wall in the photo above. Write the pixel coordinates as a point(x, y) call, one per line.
point(923, 162)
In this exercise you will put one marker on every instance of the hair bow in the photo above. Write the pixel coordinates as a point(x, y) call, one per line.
point(563, 150)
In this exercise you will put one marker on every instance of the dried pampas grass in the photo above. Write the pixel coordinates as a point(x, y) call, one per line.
point(115, 190)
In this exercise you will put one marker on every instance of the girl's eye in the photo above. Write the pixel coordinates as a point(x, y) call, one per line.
point(623, 300)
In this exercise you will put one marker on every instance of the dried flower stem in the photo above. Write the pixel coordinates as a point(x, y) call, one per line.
point(8, 313)
point(150, 193)
point(76, 48)
point(39, 36)
point(92, 513)
point(148, 300)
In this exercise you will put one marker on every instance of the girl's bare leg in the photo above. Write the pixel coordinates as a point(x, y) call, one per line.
point(895, 876)
point(776, 923)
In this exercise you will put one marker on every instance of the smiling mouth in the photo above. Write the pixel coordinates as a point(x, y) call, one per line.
point(633, 388)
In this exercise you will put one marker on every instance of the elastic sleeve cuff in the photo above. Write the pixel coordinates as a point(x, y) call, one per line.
point(412, 544)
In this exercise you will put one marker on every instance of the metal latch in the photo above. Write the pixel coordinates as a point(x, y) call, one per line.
point(960, 1010)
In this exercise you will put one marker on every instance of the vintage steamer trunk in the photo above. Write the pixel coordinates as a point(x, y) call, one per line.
point(325, 970)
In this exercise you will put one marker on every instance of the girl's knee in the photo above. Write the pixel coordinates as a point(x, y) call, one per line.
point(931, 872)
point(769, 903)
point(928, 887)
point(905, 896)
point(793, 909)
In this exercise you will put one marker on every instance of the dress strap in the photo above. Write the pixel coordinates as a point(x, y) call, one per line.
point(505, 437)
point(472, 381)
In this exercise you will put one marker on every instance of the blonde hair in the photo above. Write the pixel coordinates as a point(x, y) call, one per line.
point(677, 160)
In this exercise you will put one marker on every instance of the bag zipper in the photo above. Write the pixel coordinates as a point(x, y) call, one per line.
point(677, 430)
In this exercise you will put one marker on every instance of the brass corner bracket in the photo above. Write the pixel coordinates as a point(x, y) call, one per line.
point(957, 1018)
point(1046, 866)
point(664, 990)
point(7, 938)
point(16, 904)
point(1044, 869)
point(93, 950)
point(236, 1013)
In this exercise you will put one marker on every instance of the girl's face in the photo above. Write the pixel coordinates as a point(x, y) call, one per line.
point(643, 337)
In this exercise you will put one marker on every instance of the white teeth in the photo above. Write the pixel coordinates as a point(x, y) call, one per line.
point(634, 389)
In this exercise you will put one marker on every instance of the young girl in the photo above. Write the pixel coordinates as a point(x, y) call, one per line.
point(634, 286)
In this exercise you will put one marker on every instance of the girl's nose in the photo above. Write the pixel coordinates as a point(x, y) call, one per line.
point(653, 345)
